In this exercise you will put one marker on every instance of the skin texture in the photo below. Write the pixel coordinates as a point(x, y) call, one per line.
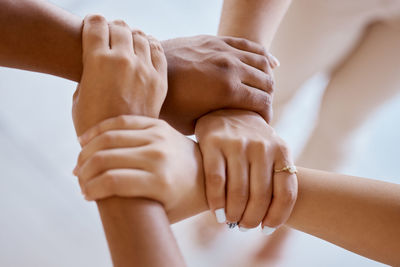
point(260, 27)
point(245, 201)
point(125, 73)
point(38, 36)
point(358, 214)
point(240, 152)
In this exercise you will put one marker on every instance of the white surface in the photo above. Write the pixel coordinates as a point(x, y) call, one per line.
point(44, 220)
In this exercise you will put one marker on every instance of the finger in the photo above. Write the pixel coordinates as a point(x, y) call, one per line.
point(121, 37)
point(257, 61)
point(215, 169)
point(124, 122)
point(245, 45)
point(119, 182)
point(274, 62)
point(283, 201)
point(255, 78)
point(119, 158)
point(237, 186)
point(113, 139)
point(260, 189)
point(142, 46)
point(250, 98)
point(157, 56)
point(95, 34)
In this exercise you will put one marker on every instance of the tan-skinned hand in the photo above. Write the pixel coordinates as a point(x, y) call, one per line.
point(124, 72)
point(240, 153)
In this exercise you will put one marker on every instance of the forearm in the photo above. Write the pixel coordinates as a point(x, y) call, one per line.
point(137, 230)
point(360, 215)
point(38, 36)
point(255, 20)
point(138, 233)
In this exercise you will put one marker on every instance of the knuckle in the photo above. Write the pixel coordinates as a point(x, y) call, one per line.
point(158, 154)
point(226, 62)
point(239, 194)
point(214, 139)
point(264, 63)
point(97, 159)
point(243, 42)
point(270, 81)
point(282, 149)
point(122, 121)
point(107, 139)
point(215, 180)
point(288, 197)
point(262, 49)
point(237, 144)
point(120, 60)
point(258, 146)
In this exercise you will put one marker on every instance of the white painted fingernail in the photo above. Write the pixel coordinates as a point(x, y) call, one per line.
point(268, 230)
point(220, 215)
point(275, 62)
point(243, 229)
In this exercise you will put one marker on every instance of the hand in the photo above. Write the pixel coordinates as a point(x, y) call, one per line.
point(134, 156)
point(124, 72)
point(207, 73)
point(240, 152)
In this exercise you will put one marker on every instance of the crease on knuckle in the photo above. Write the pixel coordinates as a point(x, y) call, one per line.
point(97, 159)
point(215, 180)
point(107, 139)
point(239, 194)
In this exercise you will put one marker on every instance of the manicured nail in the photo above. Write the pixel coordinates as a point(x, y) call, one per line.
point(274, 61)
point(268, 230)
point(220, 215)
point(243, 229)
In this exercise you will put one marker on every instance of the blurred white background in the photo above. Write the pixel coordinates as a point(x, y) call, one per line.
point(44, 219)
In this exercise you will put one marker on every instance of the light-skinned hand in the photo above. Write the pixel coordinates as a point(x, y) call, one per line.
point(240, 152)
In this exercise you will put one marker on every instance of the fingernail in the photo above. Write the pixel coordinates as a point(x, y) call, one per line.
point(268, 230)
point(243, 229)
point(232, 225)
point(274, 61)
point(220, 215)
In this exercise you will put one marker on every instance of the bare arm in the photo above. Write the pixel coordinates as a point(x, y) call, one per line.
point(38, 36)
point(358, 214)
point(255, 20)
point(120, 79)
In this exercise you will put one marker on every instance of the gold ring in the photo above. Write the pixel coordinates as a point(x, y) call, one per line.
point(290, 169)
